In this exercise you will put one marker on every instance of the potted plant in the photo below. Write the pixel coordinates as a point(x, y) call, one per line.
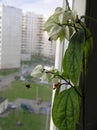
point(67, 104)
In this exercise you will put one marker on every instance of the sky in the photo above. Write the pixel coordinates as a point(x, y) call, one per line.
point(45, 7)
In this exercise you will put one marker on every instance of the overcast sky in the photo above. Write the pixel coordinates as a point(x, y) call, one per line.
point(45, 7)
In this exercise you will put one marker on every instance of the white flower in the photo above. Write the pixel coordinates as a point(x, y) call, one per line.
point(45, 73)
point(55, 80)
point(37, 71)
point(44, 77)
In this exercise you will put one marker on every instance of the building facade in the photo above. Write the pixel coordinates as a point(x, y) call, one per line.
point(3, 104)
point(34, 39)
point(10, 37)
point(27, 31)
point(37, 34)
point(49, 47)
point(32, 35)
point(21, 36)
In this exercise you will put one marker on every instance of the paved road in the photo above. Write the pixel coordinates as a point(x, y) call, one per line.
point(32, 103)
point(5, 80)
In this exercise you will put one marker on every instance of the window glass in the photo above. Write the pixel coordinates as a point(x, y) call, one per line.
point(25, 103)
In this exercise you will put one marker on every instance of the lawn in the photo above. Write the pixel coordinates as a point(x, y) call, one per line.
point(18, 89)
point(8, 71)
point(29, 121)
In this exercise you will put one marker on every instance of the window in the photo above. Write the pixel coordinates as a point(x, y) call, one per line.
point(29, 100)
point(23, 47)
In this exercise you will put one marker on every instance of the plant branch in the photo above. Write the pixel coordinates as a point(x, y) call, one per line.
point(75, 28)
point(79, 21)
point(67, 82)
point(68, 4)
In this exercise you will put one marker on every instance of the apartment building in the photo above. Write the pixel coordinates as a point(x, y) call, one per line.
point(27, 35)
point(10, 37)
point(32, 35)
point(21, 36)
point(49, 47)
point(41, 45)
point(37, 35)
point(34, 39)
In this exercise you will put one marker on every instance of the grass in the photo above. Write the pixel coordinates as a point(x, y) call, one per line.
point(30, 121)
point(17, 89)
point(5, 72)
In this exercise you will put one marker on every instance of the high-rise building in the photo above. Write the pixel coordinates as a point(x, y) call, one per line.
point(27, 32)
point(34, 39)
point(41, 46)
point(21, 36)
point(10, 37)
point(37, 45)
point(32, 35)
point(49, 47)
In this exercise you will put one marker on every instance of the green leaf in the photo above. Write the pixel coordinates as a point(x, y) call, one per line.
point(68, 32)
point(72, 62)
point(66, 109)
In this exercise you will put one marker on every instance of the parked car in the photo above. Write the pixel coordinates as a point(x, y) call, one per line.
point(27, 107)
point(17, 77)
point(44, 110)
point(22, 78)
point(11, 105)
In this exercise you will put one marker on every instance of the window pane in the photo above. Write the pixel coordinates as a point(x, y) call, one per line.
point(25, 103)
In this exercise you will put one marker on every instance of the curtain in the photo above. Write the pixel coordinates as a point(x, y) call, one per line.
point(91, 79)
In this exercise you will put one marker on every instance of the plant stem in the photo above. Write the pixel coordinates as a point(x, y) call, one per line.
point(80, 23)
point(67, 82)
point(68, 4)
point(75, 28)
